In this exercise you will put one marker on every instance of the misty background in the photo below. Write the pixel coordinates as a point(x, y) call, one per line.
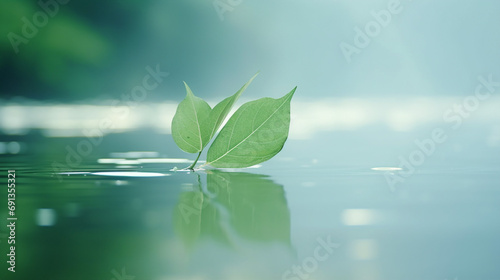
point(66, 66)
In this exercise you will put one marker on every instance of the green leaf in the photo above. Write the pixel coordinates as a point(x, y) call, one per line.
point(186, 124)
point(220, 111)
point(255, 133)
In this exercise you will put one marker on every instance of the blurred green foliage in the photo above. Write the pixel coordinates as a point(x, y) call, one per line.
point(61, 56)
point(85, 49)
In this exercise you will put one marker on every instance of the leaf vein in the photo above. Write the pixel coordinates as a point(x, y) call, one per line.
point(230, 150)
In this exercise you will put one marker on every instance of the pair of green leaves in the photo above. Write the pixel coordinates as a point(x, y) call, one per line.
point(255, 133)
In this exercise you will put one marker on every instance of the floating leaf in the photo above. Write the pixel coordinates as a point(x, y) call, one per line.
point(186, 124)
point(220, 111)
point(255, 133)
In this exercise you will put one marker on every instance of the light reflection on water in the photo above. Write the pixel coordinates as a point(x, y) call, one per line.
point(143, 160)
point(46, 217)
point(129, 174)
point(360, 217)
point(309, 118)
point(10, 147)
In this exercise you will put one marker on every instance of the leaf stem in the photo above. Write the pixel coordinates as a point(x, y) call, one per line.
point(191, 167)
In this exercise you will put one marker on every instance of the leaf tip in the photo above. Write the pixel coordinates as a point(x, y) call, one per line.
point(292, 92)
point(253, 77)
point(188, 89)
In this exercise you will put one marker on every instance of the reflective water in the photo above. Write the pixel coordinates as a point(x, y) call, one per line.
point(122, 214)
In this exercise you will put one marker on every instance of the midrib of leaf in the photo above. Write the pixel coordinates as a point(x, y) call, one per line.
point(249, 134)
point(197, 122)
point(230, 104)
point(232, 132)
point(217, 120)
point(256, 114)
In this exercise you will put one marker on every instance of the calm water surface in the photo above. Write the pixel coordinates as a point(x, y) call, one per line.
point(119, 214)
